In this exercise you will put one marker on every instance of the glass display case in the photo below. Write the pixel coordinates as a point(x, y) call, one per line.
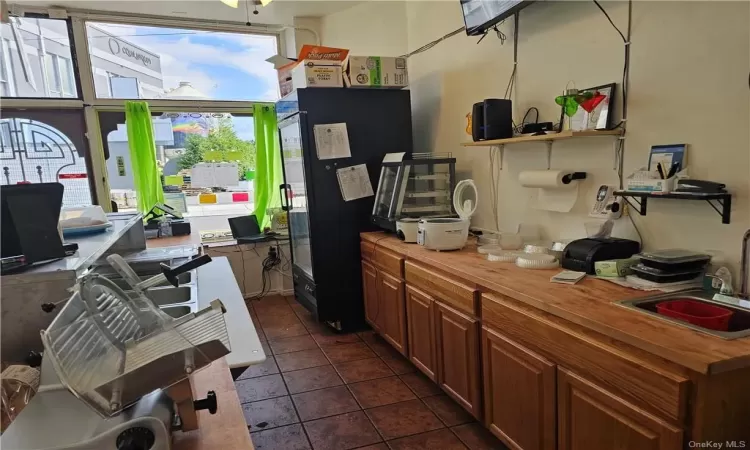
point(415, 188)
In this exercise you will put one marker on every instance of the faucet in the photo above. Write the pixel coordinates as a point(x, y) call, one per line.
point(744, 266)
point(726, 284)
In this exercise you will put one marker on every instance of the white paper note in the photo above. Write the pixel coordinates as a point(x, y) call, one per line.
point(332, 141)
point(354, 182)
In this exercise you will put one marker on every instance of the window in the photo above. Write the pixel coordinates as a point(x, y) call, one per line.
point(37, 59)
point(59, 76)
point(6, 71)
point(185, 140)
point(183, 64)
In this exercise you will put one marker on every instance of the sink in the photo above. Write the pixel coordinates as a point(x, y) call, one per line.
point(739, 325)
point(177, 311)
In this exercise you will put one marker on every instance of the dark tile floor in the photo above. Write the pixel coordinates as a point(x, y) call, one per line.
point(319, 390)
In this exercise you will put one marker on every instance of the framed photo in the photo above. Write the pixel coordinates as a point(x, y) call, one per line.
point(600, 117)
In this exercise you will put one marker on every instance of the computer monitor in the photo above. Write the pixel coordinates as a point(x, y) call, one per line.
point(30, 213)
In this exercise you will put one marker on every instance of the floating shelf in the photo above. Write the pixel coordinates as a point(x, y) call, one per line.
point(547, 137)
point(724, 200)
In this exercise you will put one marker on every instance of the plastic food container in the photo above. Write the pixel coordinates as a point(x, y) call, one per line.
point(675, 260)
point(662, 276)
point(704, 315)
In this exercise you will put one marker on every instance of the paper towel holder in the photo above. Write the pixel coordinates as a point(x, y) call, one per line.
point(567, 179)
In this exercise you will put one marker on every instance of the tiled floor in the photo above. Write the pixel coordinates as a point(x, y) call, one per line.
point(325, 391)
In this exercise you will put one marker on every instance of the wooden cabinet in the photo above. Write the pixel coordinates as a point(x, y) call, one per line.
point(392, 317)
point(421, 331)
point(590, 417)
point(458, 357)
point(519, 394)
point(370, 294)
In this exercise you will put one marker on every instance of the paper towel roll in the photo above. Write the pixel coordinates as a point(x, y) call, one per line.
point(554, 193)
point(549, 179)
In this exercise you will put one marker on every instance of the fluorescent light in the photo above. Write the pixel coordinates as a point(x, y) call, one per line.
point(232, 3)
point(265, 2)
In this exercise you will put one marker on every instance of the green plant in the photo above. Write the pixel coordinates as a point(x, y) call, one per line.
point(222, 139)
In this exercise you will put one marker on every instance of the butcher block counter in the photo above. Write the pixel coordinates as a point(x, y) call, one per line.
point(554, 366)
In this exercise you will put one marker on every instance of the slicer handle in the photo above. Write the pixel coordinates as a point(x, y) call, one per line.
point(171, 274)
point(208, 403)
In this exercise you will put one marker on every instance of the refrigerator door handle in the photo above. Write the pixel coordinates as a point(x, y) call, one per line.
point(285, 197)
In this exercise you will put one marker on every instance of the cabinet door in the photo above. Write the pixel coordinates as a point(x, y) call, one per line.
point(421, 331)
point(519, 394)
point(370, 294)
point(393, 310)
point(458, 357)
point(590, 417)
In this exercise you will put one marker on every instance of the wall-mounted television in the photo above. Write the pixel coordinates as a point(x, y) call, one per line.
point(481, 15)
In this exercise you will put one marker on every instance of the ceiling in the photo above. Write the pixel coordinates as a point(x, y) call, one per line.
point(279, 12)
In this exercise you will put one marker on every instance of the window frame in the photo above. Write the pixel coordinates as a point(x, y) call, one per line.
point(83, 74)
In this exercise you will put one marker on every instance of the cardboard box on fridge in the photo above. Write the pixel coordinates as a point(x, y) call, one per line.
point(316, 66)
point(376, 72)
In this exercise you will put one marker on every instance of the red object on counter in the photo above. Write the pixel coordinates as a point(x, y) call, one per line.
point(704, 315)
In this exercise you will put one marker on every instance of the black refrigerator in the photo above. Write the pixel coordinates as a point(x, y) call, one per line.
point(323, 228)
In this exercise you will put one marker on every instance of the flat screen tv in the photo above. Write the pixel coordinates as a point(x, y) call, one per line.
point(481, 15)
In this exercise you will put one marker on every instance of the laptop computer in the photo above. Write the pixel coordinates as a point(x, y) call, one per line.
point(246, 229)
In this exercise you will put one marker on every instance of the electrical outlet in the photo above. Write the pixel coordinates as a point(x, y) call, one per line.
point(272, 251)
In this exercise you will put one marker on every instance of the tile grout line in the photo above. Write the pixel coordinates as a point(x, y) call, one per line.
point(291, 400)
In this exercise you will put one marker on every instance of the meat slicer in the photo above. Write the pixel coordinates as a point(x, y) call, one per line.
point(116, 369)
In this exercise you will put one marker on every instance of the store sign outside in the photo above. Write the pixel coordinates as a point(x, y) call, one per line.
point(117, 47)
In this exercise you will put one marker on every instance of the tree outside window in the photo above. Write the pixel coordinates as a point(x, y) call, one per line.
point(223, 139)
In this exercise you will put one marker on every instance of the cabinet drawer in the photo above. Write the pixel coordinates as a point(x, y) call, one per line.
point(366, 249)
point(454, 293)
point(386, 260)
point(570, 345)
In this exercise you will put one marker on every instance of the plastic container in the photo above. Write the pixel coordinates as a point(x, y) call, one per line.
point(663, 276)
point(701, 314)
point(537, 261)
point(675, 260)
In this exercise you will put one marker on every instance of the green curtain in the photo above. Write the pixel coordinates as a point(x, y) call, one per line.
point(143, 155)
point(268, 174)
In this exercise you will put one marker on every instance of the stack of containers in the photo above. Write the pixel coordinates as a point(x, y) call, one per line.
point(671, 266)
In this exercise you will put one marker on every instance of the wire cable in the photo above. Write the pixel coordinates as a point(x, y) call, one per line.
point(512, 80)
point(428, 46)
point(620, 148)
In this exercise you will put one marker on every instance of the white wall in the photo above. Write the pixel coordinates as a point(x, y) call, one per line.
point(371, 28)
point(689, 83)
point(246, 264)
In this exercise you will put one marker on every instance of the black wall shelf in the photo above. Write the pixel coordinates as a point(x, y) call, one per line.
point(639, 201)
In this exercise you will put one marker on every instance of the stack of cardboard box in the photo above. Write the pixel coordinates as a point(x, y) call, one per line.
point(318, 66)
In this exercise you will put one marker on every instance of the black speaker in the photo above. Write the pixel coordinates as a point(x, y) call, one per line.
point(498, 118)
point(477, 122)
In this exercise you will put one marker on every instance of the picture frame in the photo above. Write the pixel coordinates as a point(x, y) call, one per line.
point(600, 118)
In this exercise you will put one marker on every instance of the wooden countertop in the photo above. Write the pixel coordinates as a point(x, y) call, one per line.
point(227, 428)
point(590, 303)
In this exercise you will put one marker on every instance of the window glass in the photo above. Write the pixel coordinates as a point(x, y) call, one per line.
point(52, 70)
point(31, 48)
point(182, 64)
point(186, 143)
point(37, 152)
point(66, 76)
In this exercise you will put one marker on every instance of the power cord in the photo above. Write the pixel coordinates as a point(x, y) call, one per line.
point(620, 149)
point(512, 80)
point(269, 263)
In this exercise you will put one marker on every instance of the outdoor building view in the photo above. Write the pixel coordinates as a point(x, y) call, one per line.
point(139, 62)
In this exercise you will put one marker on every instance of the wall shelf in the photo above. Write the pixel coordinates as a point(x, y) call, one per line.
point(639, 201)
point(548, 139)
point(544, 138)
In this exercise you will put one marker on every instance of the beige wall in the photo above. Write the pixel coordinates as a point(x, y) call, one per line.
point(689, 83)
point(371, 28)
